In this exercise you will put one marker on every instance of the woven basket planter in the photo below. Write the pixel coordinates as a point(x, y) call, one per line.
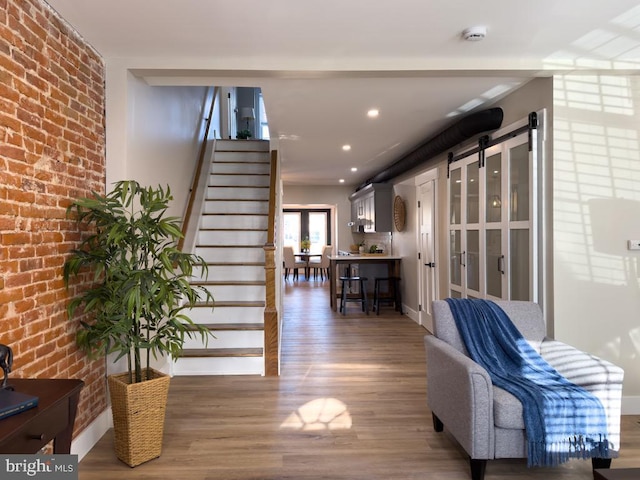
point(138, 416)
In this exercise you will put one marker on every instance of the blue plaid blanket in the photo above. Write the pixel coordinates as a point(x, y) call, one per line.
point(562, 420)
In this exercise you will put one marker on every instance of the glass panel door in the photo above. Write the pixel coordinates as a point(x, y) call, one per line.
point(495, 263)
point(520, 271)
point(292, 227)
point(493, 192)
point(317, 231)
point(519, 178)
point(455, 260)
point(473, 192)
point(455, 199)
point(471, 259)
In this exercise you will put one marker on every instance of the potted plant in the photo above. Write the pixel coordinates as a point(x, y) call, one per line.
point(305, 245)
point(135, 307)
point(244, 134)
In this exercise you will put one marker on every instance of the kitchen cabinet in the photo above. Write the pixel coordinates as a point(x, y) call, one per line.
point(371, 208)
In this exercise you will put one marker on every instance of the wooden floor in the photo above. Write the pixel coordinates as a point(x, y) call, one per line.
point(350, 404)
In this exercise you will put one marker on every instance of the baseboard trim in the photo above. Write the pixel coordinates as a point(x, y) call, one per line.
point(630, 405)
point(85, 441)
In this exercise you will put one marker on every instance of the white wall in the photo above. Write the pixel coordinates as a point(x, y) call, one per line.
point(596, 198)
point(163, 137)
point(325, 195)
point(152, 137)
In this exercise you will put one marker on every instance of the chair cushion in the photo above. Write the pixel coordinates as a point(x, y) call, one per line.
point(507, 410)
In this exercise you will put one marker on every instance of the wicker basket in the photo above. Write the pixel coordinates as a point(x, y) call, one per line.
point(138, 416)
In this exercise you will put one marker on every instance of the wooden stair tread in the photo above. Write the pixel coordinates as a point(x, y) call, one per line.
point(235, 264)
point(260, 245)
point(221, 352)
point(229, 326)
point(237, 214)
point(236, 200)
point(238, 186)
point(246, 174)
point(233, 230)
point(231, 303)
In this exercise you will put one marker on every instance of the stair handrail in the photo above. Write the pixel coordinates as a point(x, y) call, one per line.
point(271, 322)
point(193, 192)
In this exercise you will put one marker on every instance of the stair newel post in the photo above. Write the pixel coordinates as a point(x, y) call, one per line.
point(271, 358)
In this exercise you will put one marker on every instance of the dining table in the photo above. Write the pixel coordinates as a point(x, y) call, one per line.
point(392, 263)
point(306, 258)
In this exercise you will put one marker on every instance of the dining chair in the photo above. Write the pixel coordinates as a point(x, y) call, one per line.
point(290, 262)
point(321, 264)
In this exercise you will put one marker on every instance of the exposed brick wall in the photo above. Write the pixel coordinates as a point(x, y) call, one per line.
point(51, 151)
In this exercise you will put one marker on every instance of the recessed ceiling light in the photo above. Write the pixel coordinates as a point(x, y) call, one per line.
point(354, 169)
point(341, 180)
point(373, 113)
point(346, 148)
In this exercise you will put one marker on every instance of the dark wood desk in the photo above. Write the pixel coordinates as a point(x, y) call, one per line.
point(392, 263)
point(52, 419)
point(616, 474)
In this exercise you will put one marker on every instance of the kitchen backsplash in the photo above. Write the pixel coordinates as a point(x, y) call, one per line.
point(382, 240)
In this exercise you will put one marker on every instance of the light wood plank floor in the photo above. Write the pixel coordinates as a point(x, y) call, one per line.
point(350, 404)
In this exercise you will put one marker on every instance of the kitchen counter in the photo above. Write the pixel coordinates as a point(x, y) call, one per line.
point(391, 261)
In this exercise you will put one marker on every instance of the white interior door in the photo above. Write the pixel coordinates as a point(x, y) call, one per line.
point(428, 283)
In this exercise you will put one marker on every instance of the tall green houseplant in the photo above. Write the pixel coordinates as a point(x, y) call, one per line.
point(141, 280)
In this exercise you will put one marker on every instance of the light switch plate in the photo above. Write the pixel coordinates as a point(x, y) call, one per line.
point(633, 244)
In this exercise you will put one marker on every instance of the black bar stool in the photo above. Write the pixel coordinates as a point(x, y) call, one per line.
point(361, 298)
point(392, 296)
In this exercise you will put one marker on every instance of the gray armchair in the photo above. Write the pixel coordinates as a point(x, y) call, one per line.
point(486, 420)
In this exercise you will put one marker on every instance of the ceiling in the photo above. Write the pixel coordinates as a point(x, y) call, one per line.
point(322, 66)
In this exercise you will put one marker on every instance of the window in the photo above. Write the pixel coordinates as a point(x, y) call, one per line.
point(312, 223)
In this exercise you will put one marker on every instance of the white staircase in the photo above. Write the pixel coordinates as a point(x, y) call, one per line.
point(231, 236)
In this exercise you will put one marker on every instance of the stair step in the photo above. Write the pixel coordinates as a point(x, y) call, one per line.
point(219, 366)
point(221, 352)
point(234, 303)
point(229, 326)
point(228, 282)
point(236, 206)
point(237, 192)
point(236, 145)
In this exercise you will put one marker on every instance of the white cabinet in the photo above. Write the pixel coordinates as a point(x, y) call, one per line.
point(491, 223)
point(371, 208)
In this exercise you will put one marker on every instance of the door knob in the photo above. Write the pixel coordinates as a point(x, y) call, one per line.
point(430, 264)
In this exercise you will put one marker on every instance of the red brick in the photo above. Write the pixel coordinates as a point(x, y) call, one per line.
point(51, 151)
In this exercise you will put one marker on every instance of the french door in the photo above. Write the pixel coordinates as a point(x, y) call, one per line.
point(491, 223)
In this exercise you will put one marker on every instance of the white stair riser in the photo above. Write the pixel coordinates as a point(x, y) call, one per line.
point(229, 273)
point(242, 146)
point(229, 193)
point(230, 293)
point(239, 181)
point(219, 366)
point(239, 167)
point(239, 254)
point(229, 339)
point(235, 221)
point(208, 315)
point(232, 206)
point(231, 237)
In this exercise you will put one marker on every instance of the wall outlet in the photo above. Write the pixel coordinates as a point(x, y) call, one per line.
point(633, 244)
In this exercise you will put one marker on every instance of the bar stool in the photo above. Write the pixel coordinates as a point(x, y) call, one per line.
point(393, 294)
point(361, 298)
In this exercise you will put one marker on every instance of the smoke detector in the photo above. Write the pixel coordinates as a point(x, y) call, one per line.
point(474, 34)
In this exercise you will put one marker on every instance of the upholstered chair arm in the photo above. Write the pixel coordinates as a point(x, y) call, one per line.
point(460, 394)
point(600, 377)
